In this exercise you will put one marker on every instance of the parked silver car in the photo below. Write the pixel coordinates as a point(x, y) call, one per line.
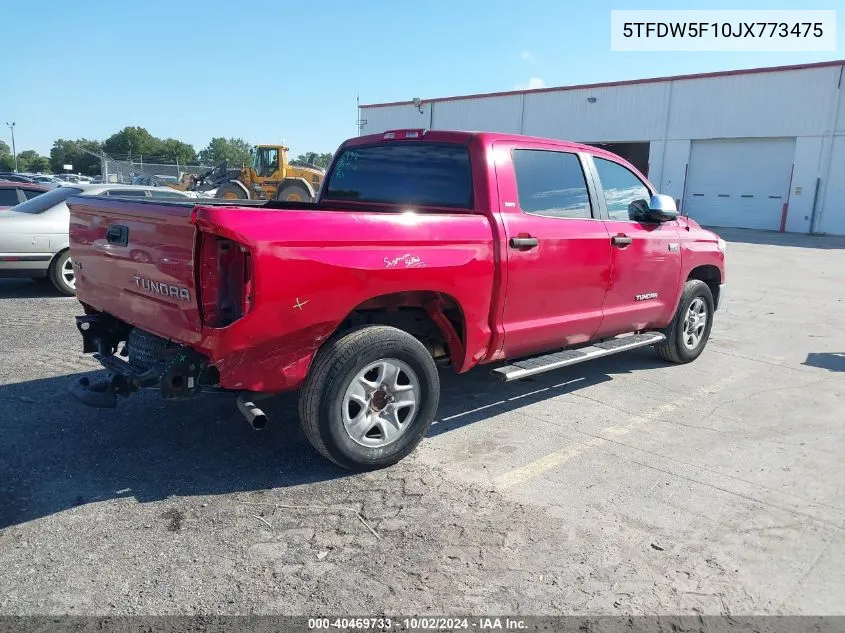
point(34, 234)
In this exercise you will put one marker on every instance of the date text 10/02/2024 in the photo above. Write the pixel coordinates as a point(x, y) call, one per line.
point(417, 624)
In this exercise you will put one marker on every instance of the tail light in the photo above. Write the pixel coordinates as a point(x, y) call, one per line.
point(225, 280)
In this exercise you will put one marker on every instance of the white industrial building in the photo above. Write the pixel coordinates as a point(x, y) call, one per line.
point(762, 148)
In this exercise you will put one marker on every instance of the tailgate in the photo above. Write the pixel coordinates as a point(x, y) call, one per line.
point(135, 261)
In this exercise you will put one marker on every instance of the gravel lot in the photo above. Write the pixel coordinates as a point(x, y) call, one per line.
point(621, 486)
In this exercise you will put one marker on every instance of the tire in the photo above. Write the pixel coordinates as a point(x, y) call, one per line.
point(61, 274)
point(387, 362)
point(230, 191)
point(677, 347)
point(294, 193)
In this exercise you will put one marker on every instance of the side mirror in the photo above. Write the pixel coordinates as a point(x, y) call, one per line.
point(662, 208)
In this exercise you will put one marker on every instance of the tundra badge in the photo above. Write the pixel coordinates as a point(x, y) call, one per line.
point(161, 288)
point(646, 296)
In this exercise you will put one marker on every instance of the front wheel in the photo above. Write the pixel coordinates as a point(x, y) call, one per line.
point(689, 331)
point(369, 398)
point(231, 191)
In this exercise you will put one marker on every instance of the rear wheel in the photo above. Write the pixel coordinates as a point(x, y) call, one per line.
point(689, 331)
point(61, 274)
point(230, 191)
point(369, 398)
point(294, 193)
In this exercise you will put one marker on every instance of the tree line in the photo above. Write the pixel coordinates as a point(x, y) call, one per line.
point(137, 144)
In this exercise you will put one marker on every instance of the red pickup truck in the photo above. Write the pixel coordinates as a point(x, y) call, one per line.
point(423, 248)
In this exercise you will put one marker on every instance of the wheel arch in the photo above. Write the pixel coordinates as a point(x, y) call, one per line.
point(435, 318)
point(56, 255)
point(709, 274)
point(296, 181)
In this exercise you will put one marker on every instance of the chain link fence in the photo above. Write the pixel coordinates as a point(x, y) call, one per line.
point(128, 172)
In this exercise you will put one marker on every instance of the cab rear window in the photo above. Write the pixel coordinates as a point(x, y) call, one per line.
point(412, 173)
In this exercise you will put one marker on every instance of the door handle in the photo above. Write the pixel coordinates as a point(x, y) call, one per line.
point(523, 243)
point(118, 234)
point(620, 240)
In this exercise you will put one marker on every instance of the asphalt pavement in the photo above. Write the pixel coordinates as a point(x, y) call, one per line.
point(621, 486)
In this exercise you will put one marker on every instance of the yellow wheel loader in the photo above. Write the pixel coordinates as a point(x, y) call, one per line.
point(271, 177)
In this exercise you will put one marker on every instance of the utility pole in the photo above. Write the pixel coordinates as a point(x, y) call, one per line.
point(11, 126)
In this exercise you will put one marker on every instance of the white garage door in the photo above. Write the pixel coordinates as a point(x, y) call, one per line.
point(739, 182)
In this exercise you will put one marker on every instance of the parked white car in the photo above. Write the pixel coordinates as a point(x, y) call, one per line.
point(34, 234)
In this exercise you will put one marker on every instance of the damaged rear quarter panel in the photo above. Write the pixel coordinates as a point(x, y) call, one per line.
point(312, 268)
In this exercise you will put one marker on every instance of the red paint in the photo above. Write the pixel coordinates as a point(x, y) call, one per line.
point(624, 82)
point(300, 271)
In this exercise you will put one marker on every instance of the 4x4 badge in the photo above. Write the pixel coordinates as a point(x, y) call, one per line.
point(674, 247)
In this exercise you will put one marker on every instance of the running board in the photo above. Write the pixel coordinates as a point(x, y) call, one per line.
point(539, 364)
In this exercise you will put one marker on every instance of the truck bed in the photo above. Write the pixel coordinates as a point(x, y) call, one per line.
point(251, 284)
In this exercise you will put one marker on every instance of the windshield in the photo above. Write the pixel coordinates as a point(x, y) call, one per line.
point(433, 174)
point(41, 203)
point(266, 161)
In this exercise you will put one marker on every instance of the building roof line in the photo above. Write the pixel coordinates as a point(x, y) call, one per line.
point(625, 82)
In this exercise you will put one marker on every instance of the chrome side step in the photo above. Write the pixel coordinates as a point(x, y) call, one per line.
point(539, 364)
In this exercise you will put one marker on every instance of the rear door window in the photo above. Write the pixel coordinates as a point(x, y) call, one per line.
point(31, 193)
point(551, 184)
point(403, 173)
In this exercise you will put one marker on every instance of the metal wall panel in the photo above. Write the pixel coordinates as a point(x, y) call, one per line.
point(808, 150)
point(619, 113)
point(669, 166)
point(789, 103)
point(501, 114)
point(832, 219)
point(840, 116)
point(802, 104)
point(396, 117)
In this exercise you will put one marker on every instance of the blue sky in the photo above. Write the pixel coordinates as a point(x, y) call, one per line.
point(290, 70)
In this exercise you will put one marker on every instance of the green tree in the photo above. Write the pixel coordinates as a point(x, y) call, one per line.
point(67, 152)
point(315, 158)
point(136, 141)
point(175, 150)
point(39, 164)
point(234, 150)
point(7, 161)
point(25, 158)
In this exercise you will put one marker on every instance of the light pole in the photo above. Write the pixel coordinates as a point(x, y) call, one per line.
point(11, 126)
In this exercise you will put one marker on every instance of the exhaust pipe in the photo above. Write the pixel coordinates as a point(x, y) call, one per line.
point(255, 417)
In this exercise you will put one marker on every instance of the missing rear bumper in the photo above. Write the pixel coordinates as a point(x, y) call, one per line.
point(179, 372)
